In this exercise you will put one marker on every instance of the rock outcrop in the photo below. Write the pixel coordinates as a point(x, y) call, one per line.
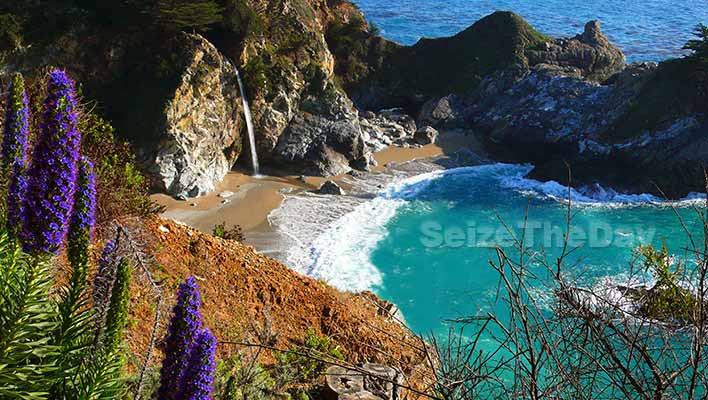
point(644, 131)
point(312, 69)
point(425, 135)
point(368, 381)
point(590, 54)
point(199, 138)
point(331, 188)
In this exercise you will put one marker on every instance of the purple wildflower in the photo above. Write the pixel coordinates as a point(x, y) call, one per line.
point(182, 332)
point(14, 150)
point(198, 379)
point(52, 174)
point(82, 220)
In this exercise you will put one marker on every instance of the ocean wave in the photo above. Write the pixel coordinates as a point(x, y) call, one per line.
point(333, 238)
point(589, 194)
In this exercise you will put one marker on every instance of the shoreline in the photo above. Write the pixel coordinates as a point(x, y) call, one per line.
point(252, 199)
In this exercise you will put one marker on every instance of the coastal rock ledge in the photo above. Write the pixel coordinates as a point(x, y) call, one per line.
point(199, 135)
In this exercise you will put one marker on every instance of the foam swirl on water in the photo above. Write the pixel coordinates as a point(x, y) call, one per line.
point(332, 238)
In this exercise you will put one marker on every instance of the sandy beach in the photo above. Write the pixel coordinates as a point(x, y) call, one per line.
point(245, 200)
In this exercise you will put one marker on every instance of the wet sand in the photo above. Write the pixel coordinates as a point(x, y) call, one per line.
point(255, 197)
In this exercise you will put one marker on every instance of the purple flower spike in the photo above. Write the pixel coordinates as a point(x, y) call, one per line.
point(53, 172)
point(82, 221)
point(198, 380)
point(14, 151)
point(182, 332)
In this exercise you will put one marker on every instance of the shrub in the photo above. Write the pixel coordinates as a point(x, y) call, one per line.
point(667, 299)
point(233, 233)
point(699, 46)
point(10, 32)
point(309, 368)
point(374, 29)
point(122, 189)
point(188, 14)
point(241, 19)
point(240, 380)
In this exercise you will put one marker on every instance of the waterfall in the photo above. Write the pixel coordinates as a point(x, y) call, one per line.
point(249, 124)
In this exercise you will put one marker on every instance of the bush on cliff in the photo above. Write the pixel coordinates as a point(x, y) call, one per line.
point(676, 89)
point(666, 300)
point(699, 46)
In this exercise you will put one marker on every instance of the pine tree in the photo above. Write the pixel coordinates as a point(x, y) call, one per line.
point(188, 14)
point(699, 46)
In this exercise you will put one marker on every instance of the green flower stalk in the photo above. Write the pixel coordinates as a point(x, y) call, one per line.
point(14, 151)
point(80, 234)
point(117, 318)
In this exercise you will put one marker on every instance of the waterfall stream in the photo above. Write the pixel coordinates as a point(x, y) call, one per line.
point(249, 125)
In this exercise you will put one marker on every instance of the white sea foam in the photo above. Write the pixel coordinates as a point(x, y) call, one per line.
point(590, 194)
point(332, 238)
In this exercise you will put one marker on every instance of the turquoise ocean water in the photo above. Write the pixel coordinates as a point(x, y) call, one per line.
point(646, 30)
point(425, 243)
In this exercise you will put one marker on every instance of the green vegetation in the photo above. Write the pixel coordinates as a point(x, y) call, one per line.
point(431, 67)
point(10, 32)
point(179, 15)
point(40, 359)
point(666, 300)
point(122, 187)
point(349, 43)
point(314, 346)
point(295, 374)
point(699, 46)
point(234, 233)
point(676, 89)
point(239, 379)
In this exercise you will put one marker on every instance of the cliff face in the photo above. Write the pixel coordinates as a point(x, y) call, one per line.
point(639, 128)
point(199, 130)
point(246, 293)
point(311, 67)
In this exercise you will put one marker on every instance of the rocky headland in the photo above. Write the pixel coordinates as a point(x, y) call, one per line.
point(320, 84)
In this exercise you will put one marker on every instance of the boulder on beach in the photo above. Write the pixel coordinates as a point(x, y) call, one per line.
point(331, 188)
point(425, 135)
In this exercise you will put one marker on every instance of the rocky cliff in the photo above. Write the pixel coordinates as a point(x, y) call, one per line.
point(314, 73)
point(639, 128)
point(199, 130)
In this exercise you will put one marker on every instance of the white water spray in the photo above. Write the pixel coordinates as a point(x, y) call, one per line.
point(249, 125)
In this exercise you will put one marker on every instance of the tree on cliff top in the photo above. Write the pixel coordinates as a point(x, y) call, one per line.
point(699, 46)
point(188, 14)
